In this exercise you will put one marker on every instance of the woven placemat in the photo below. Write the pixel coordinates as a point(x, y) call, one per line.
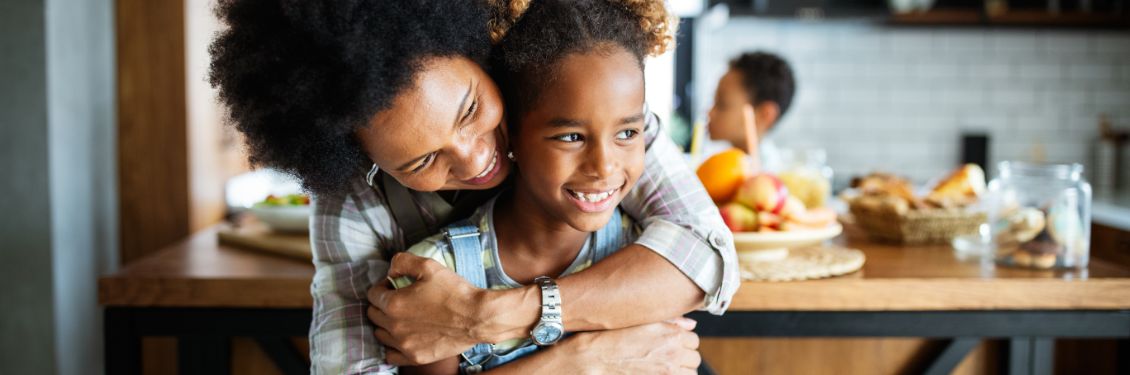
point(806, 263)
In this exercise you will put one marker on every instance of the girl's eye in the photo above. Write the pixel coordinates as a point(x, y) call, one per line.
point(627, 134)
point(571, 137)
point(423, 164)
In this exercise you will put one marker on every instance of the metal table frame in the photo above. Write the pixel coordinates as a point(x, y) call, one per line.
point(204, 334)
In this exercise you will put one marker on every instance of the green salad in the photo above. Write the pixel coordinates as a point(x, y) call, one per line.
point(285, 200)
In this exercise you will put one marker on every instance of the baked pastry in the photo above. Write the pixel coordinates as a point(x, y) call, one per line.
point(960, 188)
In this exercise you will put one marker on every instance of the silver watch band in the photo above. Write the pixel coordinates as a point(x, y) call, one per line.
point(550, 300)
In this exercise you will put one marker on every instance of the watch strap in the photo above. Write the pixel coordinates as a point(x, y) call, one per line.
point(550, 300)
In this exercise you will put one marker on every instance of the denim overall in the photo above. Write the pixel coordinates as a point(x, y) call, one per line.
point(467, 246)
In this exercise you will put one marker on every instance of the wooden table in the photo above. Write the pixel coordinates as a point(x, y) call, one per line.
point(205, 293)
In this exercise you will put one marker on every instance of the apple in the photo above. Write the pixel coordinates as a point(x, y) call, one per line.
point(768, 220)
point(738, 218)
point(763, 192)
point(815, 218)
point(793, 207)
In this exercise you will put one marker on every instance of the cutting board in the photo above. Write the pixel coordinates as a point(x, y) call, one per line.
point(257, 236)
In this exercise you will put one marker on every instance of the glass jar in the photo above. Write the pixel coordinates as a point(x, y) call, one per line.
point(1040, 215)
point(806, 173)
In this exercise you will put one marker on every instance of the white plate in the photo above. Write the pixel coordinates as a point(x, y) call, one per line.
point(755, 246)
point(284, 218)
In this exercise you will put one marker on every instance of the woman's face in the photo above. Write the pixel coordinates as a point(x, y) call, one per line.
point(581, 148)
point(444, 132)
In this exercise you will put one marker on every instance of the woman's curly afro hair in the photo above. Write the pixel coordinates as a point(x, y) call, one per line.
point(526, 59)
point(299, 77)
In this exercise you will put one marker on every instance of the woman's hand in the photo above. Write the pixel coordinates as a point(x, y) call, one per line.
point(439, 316)
point(669, 347)
point(657, 348)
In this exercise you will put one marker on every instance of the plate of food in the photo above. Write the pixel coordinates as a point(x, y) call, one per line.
point(285, 213)
point(766, 220)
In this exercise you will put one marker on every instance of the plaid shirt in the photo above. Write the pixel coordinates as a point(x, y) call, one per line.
point(354, 235)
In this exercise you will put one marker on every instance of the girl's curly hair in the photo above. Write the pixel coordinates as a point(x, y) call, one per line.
point(539, 33)
point(299, 77)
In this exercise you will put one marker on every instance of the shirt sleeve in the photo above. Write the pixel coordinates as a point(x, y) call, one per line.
point(434, 248)
point(351, 236)
point(681, 222)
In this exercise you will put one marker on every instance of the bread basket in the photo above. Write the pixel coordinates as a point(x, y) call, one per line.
point(915, 227)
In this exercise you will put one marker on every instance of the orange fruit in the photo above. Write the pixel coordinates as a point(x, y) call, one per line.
point(723, 174)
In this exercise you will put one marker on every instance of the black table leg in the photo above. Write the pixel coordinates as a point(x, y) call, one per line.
point(1031, 355)
point(205, 355)
point(955, 351)
point(285, 356)
point(123, 342)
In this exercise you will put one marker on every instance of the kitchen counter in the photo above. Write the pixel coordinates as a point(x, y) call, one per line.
point(204, 293)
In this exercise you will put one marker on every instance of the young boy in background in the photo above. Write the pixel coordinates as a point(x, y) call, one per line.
point(750, 99)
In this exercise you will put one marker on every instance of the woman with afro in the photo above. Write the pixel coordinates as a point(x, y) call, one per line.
point(385, 111)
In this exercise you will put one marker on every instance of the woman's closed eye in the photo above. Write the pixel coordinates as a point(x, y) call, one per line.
point(423, 163)
point(470, 111)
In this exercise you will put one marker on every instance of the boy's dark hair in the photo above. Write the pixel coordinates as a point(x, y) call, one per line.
point(766, 77)
point(526, 60)
point(299, 77)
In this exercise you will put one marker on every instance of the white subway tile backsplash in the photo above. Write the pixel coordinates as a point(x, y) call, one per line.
point(1110, 43)
point(897, 99)
point(1040, 71)
point(1090, 72)
point(962, 98)
point(1022, 98)
point(989, 71)
point(1067, 100)
point(1111, 101)
point(1067, 43)
point(964, 41)
point(936, 71)
point(915, 42)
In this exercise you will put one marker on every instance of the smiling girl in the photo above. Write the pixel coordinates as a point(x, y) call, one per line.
point(573, 71)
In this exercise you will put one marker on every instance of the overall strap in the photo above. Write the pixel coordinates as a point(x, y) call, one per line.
point(467, 246)
point(607, 239)
point(465, 243)
point(404, 211)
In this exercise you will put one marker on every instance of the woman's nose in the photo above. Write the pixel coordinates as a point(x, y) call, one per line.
point(471, 154)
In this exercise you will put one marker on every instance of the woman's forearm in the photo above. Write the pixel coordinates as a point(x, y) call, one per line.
point(631, 287)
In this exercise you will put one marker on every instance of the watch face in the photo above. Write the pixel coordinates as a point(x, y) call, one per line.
point(547, 334)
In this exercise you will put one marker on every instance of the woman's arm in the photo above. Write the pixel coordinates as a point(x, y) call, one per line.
point(348, 253)
point(656, 348)
point(684, 260)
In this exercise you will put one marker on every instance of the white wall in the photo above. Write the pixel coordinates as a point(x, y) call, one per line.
point(898, 98)
point(58, 230)
point(82, 134)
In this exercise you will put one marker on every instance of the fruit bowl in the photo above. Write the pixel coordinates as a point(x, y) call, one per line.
point(769, 246)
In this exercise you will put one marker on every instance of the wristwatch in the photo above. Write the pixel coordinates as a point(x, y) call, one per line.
point(550, 328)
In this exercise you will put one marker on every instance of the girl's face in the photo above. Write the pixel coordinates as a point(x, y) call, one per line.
point(581, 148)
point(444, 132)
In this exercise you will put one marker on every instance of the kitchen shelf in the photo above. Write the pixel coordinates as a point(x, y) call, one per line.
point(971, 17)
